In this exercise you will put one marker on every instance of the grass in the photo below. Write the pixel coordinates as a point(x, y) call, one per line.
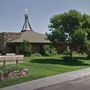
point(40, 67)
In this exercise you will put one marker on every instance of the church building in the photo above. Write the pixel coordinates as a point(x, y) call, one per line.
point(10, 42)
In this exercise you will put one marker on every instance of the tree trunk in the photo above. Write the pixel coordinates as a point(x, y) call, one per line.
point(70, 51)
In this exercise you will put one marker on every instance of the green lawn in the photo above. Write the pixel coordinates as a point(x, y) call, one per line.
point(40, 67)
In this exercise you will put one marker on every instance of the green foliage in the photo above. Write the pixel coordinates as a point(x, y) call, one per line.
point(25, 48)
point(75, 24)
point(36, 55)
point(86, 21)
point(66, 22)
point(10, 68)
point(88, 50)
point(71, 21)
point(3, 49)
point(79, 37)
point(88, 31)
point(67, 51)
point(75, 53)
point(49, 50)
point(56, 36)
point(41, 67)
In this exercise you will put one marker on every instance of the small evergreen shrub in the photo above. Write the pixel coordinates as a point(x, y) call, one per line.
point(25, 48)
point(49, 50)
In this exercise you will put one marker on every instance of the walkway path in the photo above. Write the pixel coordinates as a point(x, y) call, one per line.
point(44, 82)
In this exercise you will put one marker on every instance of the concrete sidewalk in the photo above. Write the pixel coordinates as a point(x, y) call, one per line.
point(35, 84)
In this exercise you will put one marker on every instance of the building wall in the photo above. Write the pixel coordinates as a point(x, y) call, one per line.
point(36, 47)
point(14, 47)
point(4, 38)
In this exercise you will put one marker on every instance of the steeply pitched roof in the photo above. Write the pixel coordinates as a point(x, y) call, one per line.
point(29, 35)
point(32, 37)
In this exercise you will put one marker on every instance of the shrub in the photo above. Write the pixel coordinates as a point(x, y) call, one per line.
point(67, 51)
point(12, 71)
point(49, 50)
point(25, 48)
point(75, 53)
point(66, 58)
point(88, 52)
point(36, 55)
point(11, 68)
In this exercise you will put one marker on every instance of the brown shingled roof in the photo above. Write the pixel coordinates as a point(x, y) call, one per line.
point(32, 37)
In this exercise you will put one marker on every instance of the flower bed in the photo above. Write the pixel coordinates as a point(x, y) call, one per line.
point(12, 72)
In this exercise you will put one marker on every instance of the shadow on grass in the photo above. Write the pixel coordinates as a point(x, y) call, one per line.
point(74, 62)
point(82, 58)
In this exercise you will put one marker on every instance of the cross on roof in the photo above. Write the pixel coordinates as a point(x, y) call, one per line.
point(26, 25)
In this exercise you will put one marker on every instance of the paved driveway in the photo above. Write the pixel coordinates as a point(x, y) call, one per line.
point(78, 84)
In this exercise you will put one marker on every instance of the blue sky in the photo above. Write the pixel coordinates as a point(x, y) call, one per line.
point(39, 11)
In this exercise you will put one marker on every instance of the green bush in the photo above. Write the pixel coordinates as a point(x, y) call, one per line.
point(66, 58)
point(36, 55)
point(67, 51)
point(10, 68)
point(88, 52)
point(75, 53)
point(25, 48)
point(49, 50)
point(1, 71)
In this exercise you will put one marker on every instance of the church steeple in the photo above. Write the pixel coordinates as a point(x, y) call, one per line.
point(26, 25)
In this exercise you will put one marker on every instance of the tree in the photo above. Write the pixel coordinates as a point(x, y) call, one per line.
point(25, 48)
point(70, 27)
point(86, 25)
point(3, 49)
point(79, 39)
point(88, 49)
